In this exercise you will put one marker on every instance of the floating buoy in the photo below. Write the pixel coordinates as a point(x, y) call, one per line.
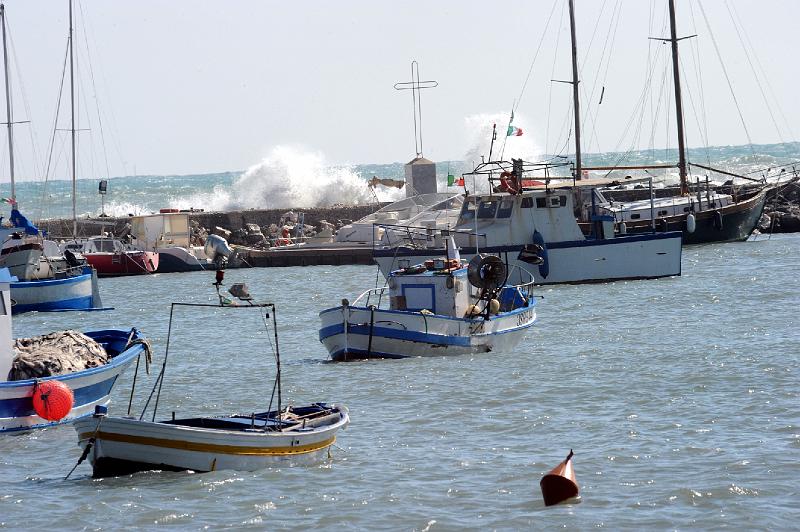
point(494, 306)
point(559, 484)
point(52, 400)
point(691, 223)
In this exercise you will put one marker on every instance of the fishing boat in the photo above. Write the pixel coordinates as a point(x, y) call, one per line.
point(169, 234)
point(442, 307)
point(113, 258)
point(284, 435)
point(87, 387)
point(521, 214)
point(534, 227)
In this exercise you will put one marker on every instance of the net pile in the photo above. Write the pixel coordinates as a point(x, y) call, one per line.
point(56, 353)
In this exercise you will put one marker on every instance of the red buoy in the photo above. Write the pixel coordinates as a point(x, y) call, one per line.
point(52, 400)
point(559, 484)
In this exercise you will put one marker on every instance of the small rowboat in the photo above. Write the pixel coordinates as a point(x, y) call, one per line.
point(293, 435)
point(297, 435)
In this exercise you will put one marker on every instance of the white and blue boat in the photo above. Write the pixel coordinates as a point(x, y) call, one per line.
point(89, 387)
point(76, 289)
point(441, 307)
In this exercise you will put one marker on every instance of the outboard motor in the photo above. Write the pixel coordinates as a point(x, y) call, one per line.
point(217, 249)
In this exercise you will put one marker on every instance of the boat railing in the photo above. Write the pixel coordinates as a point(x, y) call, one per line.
point(427, 237)
point(373, 296)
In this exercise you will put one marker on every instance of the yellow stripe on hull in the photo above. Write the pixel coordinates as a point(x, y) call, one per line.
point(209, 447)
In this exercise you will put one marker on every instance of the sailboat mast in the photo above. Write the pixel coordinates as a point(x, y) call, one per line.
point(575, 98)
point(72, 128)
point(10, 120)
point(678, 105)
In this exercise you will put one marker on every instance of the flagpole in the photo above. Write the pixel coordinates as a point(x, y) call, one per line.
point(505, 138)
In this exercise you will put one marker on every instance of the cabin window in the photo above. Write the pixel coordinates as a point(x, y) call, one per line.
point(635, 216)
point(541, 203)
point(505, 208)
point(3, 310)
point(558, 201)
point(527, 202)
point(467, 211)
point(662, 213)
point(487, 209)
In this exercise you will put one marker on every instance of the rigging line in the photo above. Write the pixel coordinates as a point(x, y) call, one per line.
point(52, 143)
point(765, 76)
point(115, 136)
point(695, 47)
point(590, 98)
point(727, 78)
point(552, 76)
point(94, 88)
point(26, 104)
point(639, 109)
point(536, 55)
point(755, 74)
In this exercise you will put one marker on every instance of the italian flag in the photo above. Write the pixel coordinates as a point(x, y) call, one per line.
point(513, 132)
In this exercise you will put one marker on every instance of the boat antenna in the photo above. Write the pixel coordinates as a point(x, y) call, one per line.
point(10, 121)
point(494, 137)
point(72, 127)
point(415, 85)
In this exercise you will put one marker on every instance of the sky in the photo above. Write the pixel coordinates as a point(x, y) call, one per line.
point(189, 87)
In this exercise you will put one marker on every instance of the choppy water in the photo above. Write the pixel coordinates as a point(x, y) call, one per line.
point(679, 397)
point(292, 178)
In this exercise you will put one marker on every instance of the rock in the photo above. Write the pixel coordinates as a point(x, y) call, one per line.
point(220, 231)
point(56, 353)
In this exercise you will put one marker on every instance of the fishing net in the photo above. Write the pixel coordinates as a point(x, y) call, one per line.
point(56, 353)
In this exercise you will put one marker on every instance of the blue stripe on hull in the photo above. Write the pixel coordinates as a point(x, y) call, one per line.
point(23, 406)
point(467, 250)
point(78, 303)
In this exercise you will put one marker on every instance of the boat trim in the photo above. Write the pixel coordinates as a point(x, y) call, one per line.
point(208, 447)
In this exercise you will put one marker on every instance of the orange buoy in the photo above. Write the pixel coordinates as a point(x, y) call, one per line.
point(559, 484)
point(52, 400)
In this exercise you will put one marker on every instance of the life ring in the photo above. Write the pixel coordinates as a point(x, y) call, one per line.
point(506, 184)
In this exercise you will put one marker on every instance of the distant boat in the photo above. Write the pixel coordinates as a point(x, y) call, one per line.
point(74, 289)
point(112, 258)
point(248, 442)
point(436, 210)
point(169, 234)
point(442, 307)
point(89, 387)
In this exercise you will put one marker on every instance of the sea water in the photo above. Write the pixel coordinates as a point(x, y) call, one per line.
point(290, 177)
point(679, 397)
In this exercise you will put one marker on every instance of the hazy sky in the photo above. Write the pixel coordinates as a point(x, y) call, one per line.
point(199, 86)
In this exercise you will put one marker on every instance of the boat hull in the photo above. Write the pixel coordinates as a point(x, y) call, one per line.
point(178, 259)
point(731, 223)
point(358, 333)
point(78, 292)
point(89, 387)
point(22, 261)
point(646, 256)
point(123, 263)
point(125, 445)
